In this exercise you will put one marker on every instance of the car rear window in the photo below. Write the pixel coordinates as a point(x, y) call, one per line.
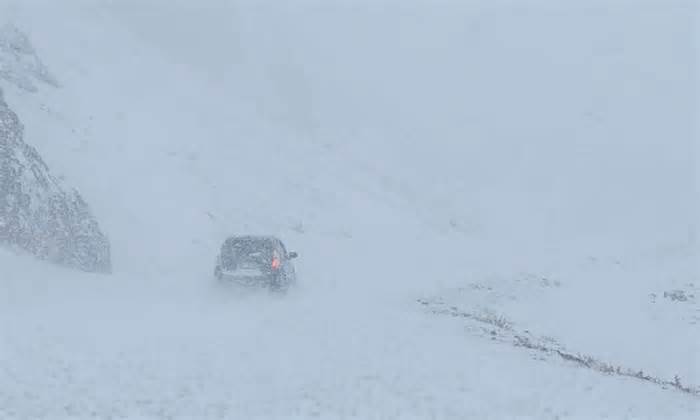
point(248, 250)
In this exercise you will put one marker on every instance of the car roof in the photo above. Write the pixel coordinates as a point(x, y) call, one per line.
point(253, 238)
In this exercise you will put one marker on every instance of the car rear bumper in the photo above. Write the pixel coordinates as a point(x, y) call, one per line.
point(247, 280)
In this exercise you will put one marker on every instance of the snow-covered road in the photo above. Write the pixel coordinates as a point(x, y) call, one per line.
point(82, 346)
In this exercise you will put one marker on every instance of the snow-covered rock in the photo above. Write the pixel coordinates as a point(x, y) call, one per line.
point(19, 62)
point(37, 213)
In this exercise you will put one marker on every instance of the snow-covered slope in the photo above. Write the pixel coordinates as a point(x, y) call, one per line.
point(528, 166)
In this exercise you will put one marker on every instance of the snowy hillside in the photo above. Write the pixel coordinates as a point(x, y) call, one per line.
point(495, 204)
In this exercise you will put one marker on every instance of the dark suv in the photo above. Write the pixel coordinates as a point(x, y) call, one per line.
point(257, 261)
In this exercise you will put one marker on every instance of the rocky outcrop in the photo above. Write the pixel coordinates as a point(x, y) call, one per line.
point(40, 215)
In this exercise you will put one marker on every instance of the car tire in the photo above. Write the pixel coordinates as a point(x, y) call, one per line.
point(278, 285)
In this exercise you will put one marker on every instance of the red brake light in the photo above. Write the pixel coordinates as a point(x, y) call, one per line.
point(275, 263)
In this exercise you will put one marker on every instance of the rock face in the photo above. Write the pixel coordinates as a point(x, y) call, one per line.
point(40, 215)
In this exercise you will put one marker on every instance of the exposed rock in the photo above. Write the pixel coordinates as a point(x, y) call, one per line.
point(37, 213)
point(678, 295)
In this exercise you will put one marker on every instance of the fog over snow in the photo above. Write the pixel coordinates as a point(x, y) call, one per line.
point(495, 204)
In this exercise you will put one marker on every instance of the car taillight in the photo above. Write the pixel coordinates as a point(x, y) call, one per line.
point(275, 263)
